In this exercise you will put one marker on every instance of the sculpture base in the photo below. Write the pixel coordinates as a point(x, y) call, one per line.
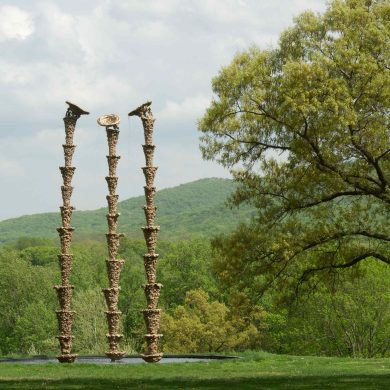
point(67, 358)
point(152, 358)
point(114, 356)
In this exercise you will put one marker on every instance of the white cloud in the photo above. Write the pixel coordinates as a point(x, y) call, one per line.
point(187, 110)
point(227, 11)
point(108, 57)
point(10, 168)
point(153, 7)
point(15, 23)
point(14, 73)
point(180, 163)
point(317, 6)
point(47, 138)
point(153, 30)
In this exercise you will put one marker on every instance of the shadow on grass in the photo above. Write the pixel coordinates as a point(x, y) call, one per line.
point(277, 382)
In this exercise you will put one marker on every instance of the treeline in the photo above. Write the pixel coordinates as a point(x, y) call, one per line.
point(200, 216)
point(347, 315)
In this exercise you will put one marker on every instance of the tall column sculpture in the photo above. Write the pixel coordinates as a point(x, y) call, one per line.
point(64, 291)
point(152, 289)
point(114, 266)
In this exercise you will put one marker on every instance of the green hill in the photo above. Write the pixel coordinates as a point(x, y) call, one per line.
point(195, 209)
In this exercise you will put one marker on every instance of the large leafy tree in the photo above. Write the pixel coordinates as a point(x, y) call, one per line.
point(203, 326)
point(304, 128)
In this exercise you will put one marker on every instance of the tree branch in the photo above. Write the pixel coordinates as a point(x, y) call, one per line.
point(369, 158)
point(257, 143)
point(347, 264)
point(328, 199)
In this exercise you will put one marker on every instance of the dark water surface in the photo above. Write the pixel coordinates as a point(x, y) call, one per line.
point(126, 360)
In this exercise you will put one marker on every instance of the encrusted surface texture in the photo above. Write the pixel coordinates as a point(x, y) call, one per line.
point(152, 289)
point(64, 291)
point(114, 266)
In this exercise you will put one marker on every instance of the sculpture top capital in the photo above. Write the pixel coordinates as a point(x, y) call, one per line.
point(142, 111)
point(75, 111)
point(108, 120)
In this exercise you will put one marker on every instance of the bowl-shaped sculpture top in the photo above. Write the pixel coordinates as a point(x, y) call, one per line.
point(108, 120)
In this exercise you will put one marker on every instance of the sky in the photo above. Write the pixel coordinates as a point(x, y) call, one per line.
point(110, 56)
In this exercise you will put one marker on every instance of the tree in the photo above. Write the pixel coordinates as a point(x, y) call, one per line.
point(350, 317)
point(40, 255)
point(90, 325)
point(304, 129)
point(35, 330)
point(25, 289)
point(186, 267)
point(203, 326)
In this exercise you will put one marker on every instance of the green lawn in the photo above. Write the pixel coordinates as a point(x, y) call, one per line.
point(254, 371)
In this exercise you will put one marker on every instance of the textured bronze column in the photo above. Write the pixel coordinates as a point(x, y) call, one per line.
point(114, 266)
point(152, 289)
point(64, 291)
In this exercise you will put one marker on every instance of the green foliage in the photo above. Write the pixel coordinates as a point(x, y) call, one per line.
point(200, 317)
point(187, 266)
point(183, 266)
point(190, 210)
point(89, 267)
point(304, 128)
point(203, 326)
point(35, 329)
point(31, 242)
point(40, 255)
point(349, 317)
point(24, 290)
point(132, 297)
point(28, 302)
point(90, 325)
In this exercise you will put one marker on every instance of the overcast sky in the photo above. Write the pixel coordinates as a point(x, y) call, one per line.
point(109, 57)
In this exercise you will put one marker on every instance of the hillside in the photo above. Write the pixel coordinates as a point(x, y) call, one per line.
point(195, 209)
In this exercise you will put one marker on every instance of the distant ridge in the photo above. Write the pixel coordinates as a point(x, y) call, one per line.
point(195, 209)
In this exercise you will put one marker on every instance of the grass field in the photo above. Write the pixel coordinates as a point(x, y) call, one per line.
point(253, 371)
